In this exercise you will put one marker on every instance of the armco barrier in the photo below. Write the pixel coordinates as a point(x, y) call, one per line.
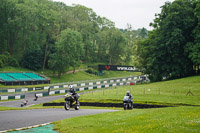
point(135, 105)
point(82, 88)
point(66, 85)
point(12, 97)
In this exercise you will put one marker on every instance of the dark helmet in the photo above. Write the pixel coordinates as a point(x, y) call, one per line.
point(72, 89)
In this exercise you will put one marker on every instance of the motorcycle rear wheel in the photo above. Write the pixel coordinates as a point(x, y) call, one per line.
point(77, 106)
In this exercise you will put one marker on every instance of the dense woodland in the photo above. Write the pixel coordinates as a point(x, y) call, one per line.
point(42, 34)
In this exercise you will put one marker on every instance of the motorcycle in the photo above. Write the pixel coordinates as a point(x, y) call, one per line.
point(127, 103)
point(70, 101)
point(24, 103)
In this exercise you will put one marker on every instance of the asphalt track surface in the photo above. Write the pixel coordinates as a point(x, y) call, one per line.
point(14, 119)
point(30, 97)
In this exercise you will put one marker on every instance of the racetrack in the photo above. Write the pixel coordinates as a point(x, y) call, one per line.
point(23, 118)
point(13, 119)
point(30, 97)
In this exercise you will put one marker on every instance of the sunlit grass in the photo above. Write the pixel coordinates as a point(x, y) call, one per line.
point(176, 119)
point(166, 93)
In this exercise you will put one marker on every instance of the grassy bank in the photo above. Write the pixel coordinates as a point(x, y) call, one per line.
point(70, 77)
point(165, 93)
point(175, 119)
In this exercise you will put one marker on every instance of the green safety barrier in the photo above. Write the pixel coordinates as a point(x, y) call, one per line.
point(12, 97)
point(62, 86)
point(83, 88)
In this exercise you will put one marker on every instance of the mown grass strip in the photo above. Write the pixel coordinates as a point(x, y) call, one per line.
point(178, 119)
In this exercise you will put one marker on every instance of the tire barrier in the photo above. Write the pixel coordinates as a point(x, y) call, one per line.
point(119, 105)
point(12, 97)
point(135, 78)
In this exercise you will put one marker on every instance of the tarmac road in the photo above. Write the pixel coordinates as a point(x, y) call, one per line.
point(14, 119)
point(30, 97)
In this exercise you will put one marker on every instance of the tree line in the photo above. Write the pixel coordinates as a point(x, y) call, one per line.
point(40, 34)
point(172, 49)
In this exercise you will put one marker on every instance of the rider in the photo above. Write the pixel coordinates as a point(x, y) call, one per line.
point(130, 97)
point(73, 91)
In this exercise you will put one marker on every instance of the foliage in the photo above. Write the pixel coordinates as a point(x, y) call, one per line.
point(68, 51)
point(112, 43)
point(32, 58)
point(7, 60)
point(92, 71)
point(28, 24)
point(165, 54)
point(193, 47)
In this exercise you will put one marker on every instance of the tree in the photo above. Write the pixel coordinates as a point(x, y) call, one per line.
point(130, 45)
point(68, 51)
point(32, 58)
point(193, 47)
point(143, 33)
point(116, 42)
point(164, 53)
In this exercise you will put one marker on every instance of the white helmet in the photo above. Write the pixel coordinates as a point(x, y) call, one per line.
point(128, 93)
point(70, 86)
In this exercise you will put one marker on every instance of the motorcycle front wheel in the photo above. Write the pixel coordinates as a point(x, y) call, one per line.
point(125, 106)
point(67, 105)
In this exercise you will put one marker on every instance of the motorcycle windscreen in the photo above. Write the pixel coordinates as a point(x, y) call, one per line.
point(126, 98)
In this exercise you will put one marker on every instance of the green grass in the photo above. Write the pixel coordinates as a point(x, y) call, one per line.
point(164, 93)
point(2, 108)
point(13, 69)
point(81, 76)
point(71, 77)
point(174, 119)
point(167, 92)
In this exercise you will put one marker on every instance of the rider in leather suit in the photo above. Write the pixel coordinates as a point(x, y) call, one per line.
point(73, 91)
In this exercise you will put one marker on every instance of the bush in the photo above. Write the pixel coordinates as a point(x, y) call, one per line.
point(1, 63)
point(92, 71)
point(13, 62)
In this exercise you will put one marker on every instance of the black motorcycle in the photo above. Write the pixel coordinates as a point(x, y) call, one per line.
point(70, 101)
point(127, 103)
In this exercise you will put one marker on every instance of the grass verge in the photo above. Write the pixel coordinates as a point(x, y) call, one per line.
point(176, 119)
point(161, 93)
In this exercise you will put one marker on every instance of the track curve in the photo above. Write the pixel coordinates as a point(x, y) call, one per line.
point(24, 118)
